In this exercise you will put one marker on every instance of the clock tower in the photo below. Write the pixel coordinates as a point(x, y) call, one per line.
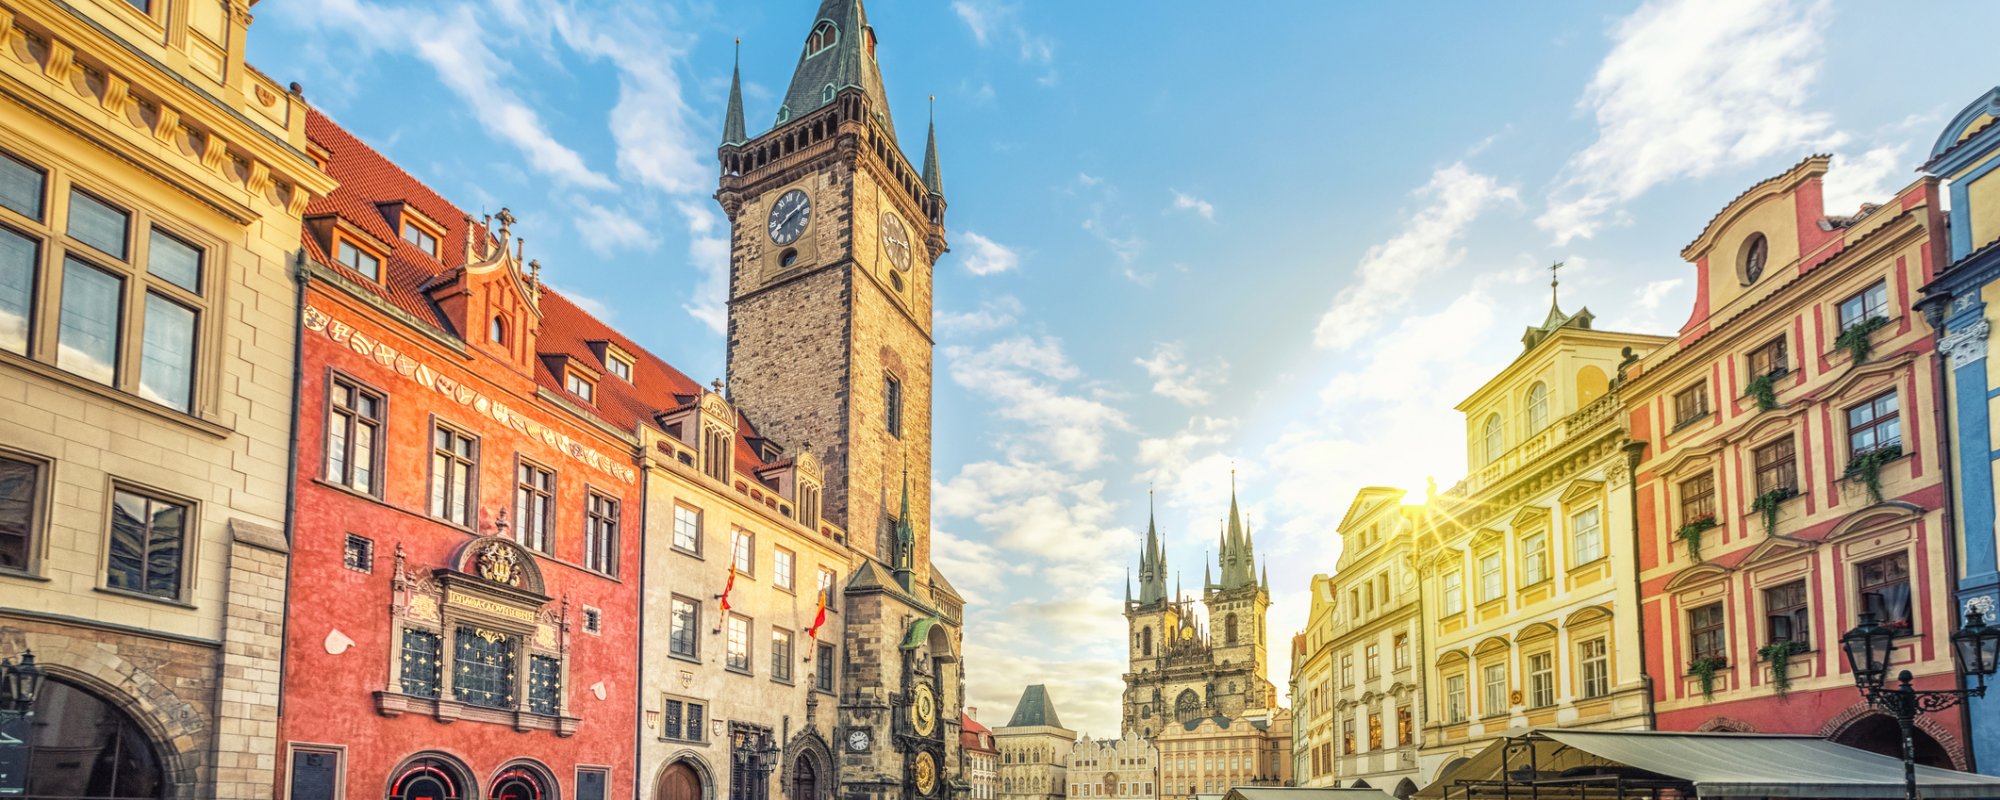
point(834, 236)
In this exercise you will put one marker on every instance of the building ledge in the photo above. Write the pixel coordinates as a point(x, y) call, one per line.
point(396, 704)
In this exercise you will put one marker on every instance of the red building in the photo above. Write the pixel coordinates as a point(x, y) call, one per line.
point(463, 618)
point(1790, 477)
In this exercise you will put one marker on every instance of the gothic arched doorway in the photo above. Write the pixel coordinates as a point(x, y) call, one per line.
point(81, 746)
point(1404, 789)
point(679, 782)
point(805, 778)
point(1878, 733)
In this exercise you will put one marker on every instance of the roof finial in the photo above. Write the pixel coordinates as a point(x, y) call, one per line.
point(1555, 275)
point(733, 132)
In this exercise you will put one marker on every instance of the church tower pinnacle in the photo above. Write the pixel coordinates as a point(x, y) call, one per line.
point(733, 132)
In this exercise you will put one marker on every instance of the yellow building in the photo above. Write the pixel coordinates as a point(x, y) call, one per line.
point(1219, 753)
point(1312, 691)
point(151, 184)
point(1527, 563)
point(1375, 685)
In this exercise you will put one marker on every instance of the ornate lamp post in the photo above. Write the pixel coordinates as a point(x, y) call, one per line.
point(1868, 646)
point(19, 684)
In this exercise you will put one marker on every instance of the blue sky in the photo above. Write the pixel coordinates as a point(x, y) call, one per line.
point(1285, 237)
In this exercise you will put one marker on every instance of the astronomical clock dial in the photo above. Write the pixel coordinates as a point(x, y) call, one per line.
point(923, 710)
point(857, 740)
point(925, 772)
point(896, 241)
point(790, 216)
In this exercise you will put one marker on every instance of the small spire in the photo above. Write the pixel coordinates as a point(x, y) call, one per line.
point(1555, 271)
point(733, 132)
point(933, 176)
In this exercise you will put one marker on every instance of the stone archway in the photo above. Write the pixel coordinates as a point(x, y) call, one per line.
point(685, 776)
point(808, 769)
point(180, 729)
point(83, 744)
point(1405, 788)
point(1867, 728)
point(1725, 724)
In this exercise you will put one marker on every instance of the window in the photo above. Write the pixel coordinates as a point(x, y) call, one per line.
point(1496, 439)
point(359, 260)
point(1595, 659)
point(1453, 590)
point(781, 568)
point(1534, 558)
point(1492, 577)
point(88, 335)
point(1347, 737)
point(619, 365)
point(892, 405)
point(1691, 404)
point(98, 224)
point(1870, 303)
point(1586, 537)
point(1874, 425)
point(581, 387)
point(687, 529)
point(593, 620)
point(1374, 732)
point(483, 667)
point(1541, 680)
point(682, 720)
point(544, 684)
point(1347, 670)
point(1756, 251)
point(823, 36)
point(148, 548)
point(1698, 498)
point(1777, 467)
point(497, 330)
point(353, 435)
point(781, 655)
point(358, 553)
point(421, 238)
point(1705, 632)
point(1538, 407)
point(18, 256)
point(1406, 726)
point(423, 663)
point(600, 533)
point(823, 669)
point(742, 551)
point(1402, 651)
point(454, 462)
point(1495, 698)
point(21, 187)
point(1373, 661)
point(1786, 618)
point(534, 501)
point(684, 627)
point(736, 654)
point(826, 580)
point(20, 508)
point(1885, 589)
point(1770, 359)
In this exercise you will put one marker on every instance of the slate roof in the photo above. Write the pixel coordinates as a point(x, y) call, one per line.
point(849, 62)
point(1034, 709)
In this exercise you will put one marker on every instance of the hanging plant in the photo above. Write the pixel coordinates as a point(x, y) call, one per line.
point(1704, 669)
point(1765, 391)
point(1767, 504)
point(1855, 339)
point(1779, 656)
point(1691, 533)
point(1867, 467)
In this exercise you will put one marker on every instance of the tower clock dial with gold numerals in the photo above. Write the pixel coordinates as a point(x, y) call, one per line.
point(925, 773)
point(896, 241)
point(923, 710)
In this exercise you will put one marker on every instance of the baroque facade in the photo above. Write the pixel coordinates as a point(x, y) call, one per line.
point(1529, 609)
point(1217, 754)
point(1374, 681)
point(1034, 749)
point(1126, 768)
point(150, 189)
point(1312, 691)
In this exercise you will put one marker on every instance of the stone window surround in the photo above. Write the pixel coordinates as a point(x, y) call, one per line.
point(392, 702)
point(190, 542)
point(38, 514)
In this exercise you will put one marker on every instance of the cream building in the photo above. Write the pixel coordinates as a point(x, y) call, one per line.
point(982, 756)
point(151, 184)
point(1216, 754)
point(1312, 692)
point(1527, 563)
point(1376, 682)
point(1114, 769)
point(1034, 749)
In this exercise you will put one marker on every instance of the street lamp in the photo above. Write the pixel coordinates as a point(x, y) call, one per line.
point(1868, 647)
point(19, 683)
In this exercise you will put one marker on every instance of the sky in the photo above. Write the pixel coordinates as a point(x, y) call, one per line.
point(1278, 238)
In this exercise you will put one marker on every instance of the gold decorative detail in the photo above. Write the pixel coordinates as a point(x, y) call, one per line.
point(498, 563)
point(266, 96)
point(923, 710)
point(926, 773)
point(490, 637)
point(464, 600)
point(423, 607)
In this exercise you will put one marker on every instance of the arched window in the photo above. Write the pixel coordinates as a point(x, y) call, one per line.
point(1538, 407)
point(823, 36)
point(498, 330)
point(1146, 641)
point(429, 777)
point(520, 782)
point(1229, 628)
point(1496, 438)
point(826, 94)
point(1187, 707)
point(81, 746)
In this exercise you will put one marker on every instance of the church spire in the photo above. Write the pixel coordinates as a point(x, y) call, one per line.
point(733, 132)
point(1152, 562)
point(906, 534)
point(839, 54)
point(933, 176)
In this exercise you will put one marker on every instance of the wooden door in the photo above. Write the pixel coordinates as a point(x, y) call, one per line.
point(680, 783)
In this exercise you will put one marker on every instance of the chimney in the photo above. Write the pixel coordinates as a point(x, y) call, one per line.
point(973, 712)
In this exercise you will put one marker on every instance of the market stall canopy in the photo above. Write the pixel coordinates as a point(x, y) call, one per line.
point(1714, 765)
point(1304, 793)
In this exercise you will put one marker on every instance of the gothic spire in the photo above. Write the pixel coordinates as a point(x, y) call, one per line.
point(933, 177)
point(733, 131)
point(906, 533)
point(1152, 562)
point(839, 54)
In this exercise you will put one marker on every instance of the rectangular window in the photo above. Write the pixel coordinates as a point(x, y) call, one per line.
point(1869, 303)
point(1770, 359)
point(19, 256)
point(21, 187)
point(823, 668)
point(581, 387)
point(684, 627)
point(1786, 617)
point(743, 551)
point(826, 579)
point(1406, 726)
point(544, 684)
point(682, 720)
point(1372, 658)
point(687, 529)
point(87, 336)
point(1874, 425)
point(1374, 732)
point(1454, 593)
point(1595, 658)
point(316, 774)
point(1495, 698)
point(1885, 589)
point(421, 238)
point(359, 260)
point(1347, 737)
point(175, 261)
point(1586, 537)
point(1402, 648)
point(736, 655)
point(1541, 680)
point(1454, 699)
point(781, 569)
point(1777, 467)
point(592, 783)
point(1705, 632)
point(1492, 577)
point(1698, 498)
point(98, 224)
point(781, 655)
point(353, 434)
point(358, 553)
point(20, 502)
point(619, 365)
point(892, 405)
point(148, 544)
point(1691, 404)
point(1534, 559)
point(534, 507)
point(454, 463)
point(483, 667)
point(423, 662)
point(600, 533)
point(166, 353)
point(1347, 670)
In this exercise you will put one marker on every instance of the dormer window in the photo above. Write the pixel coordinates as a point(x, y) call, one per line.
point(1756, 251)
point(581, 387)
point(784, 114)
point(619, 364)
point(826, 94)
point(824, 35)
point(423, 239)
point(367, 264)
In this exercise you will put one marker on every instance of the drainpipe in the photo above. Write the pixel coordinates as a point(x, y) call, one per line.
point(639, 641)
point(1934, 307)
point(292, 479)
point(1633, 452)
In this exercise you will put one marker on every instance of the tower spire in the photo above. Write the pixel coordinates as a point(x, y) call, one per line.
point(839, 55)
point(906, 533)
point(733, 132)
point(933, 176)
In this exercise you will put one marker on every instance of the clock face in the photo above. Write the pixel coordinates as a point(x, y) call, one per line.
point(790, 216)
point(923, 710)
point(926, 773)
point(857, 741)
point(895, 241)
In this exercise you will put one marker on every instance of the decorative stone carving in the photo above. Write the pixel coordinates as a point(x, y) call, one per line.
point(1966, 345)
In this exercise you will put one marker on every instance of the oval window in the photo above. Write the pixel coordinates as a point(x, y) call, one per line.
point(1756, 251)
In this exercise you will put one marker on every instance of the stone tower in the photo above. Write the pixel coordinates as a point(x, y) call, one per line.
point(1238, 603)
point(834, 235)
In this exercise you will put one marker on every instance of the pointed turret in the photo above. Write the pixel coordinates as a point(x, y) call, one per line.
point(906, 535)
point(1239, 569)
point(1266, 583)
point(733, 132)
point(1152, 563)
point(839, 54)
point(933, 176)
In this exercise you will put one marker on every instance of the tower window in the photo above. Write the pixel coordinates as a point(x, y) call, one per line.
point(826, 94)
point(823, 36)
point(892, 405)
point(787, 259)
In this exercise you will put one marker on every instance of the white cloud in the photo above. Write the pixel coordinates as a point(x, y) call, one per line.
point(708, 249)
point(992, 314)
point(1028, 375)
point(1169, 463)
point(988, 257)
point(1427, 243)
point(650, 122)
point(1187, 202)
point(1871, 177)
point(590, 305)
point(991, 22)
point(1691, 87)
point(605, 231)
point(1174, 379)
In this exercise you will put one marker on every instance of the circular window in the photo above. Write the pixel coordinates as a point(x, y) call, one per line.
point(1756, 251)
point(429, 778)
point(787, 258)
point(518, 783)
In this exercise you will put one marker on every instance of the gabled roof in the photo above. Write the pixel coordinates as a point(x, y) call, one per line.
point(850, 62)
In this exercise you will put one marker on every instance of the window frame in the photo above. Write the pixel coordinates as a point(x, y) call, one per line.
point(1780, 470)
point(547, 534)
point(1774, 358)
point(1863, 588)
point(189, 545)
point(694, 628)
point(342, 243)
point(892, 404)
point(1600, 664)
point(1866, 310)
point(729, 622)
point(470, 466)
point(580, 385)
point(436, 238)
point(336, 379)
point(1541, 681)
point(1701, 631)
point(602, 532)
point(696, 513)
point(619, 365)
point(1879, 419)
point(785, 578)
point(1457, 699)
point(743, 551)
point(1537, 567)
point(1696, 506)
point(1691, 404)
point(790, 652)
point(1451, 591)
point(1796, 611)
point(1487, 691)
point(1492, 575)
point(680, 719)
point(35, 527)
point(1576, 537)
